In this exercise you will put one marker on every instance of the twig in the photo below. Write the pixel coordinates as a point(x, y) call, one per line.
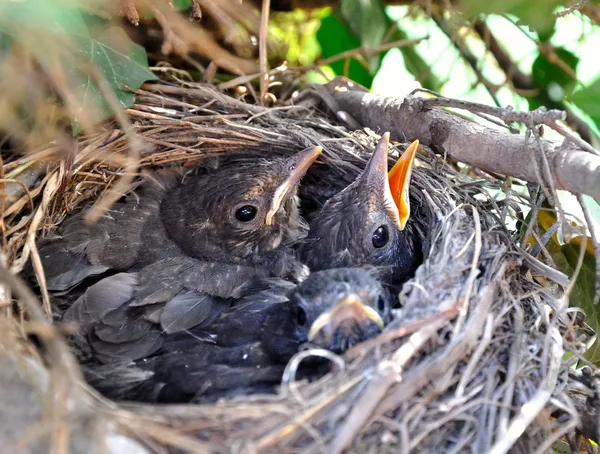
point(60, 354)
point(566, 132)
point(470, 281)
point(466, 54)
point(262, 49)
point(521, 82)
point(388, 373)
point(541, 242)
point(365, 51)
point(477, 354)
point(530, 410)
point(241, 80)
point(511, 374)
point(392, 332)
point(577, 270)
point(135, 151)
point(489, 149)
point(532, 118)
point(23, 185)
point(291, 369)
point(545, 270)
point(570, 9)
point(290, 428)
point(30, 245)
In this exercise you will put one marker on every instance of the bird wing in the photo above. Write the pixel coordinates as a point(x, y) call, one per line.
point(127, 315)
point(115, 242)
point(221, 355)
point(202, 371)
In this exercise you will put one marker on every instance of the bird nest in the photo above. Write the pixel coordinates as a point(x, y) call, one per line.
point(473, 361)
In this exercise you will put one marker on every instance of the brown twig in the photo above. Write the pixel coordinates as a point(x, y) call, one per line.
point(460, 45)
point(262, 49)
point(364, 51)
point(135, 151)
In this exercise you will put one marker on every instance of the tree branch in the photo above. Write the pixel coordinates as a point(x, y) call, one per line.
point(495, 151)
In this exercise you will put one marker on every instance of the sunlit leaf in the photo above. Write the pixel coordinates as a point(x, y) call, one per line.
point(121, 61)
point(334, 38)
point(538, 15)
point(588, 100)
point(552, 79)
point(367, 21)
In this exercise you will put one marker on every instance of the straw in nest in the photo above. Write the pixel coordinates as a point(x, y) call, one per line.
point(474, 360)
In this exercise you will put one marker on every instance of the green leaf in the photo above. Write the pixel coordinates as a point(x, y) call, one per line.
point(588, 100)
point(554, 82)
point(539, 15)
point(334, 38)
point(182, 5)
point(121, 61)
point(76, 44)
point(368, 22)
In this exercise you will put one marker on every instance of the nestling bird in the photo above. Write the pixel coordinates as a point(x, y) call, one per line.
point(236, 222)
point(246, 348)
point(367, 222)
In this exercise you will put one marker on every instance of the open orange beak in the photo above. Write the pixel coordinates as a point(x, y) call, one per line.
point(399, 178)
point(346, 313)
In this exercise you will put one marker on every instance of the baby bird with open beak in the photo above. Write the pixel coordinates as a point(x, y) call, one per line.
point(367, 223)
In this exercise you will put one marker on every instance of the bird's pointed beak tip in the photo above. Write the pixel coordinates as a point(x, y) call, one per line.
point(399, 179)
point(297, 166)
point(376, 168)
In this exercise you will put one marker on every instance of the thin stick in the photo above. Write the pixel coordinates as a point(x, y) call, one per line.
point(135, 151)
point(23, 185)
point(530, 410)
point(473, 362)
point(364, 51)
point(388, 373)
point(566, 132)
point(577, 270)
point(262, 49)
point(470, 282)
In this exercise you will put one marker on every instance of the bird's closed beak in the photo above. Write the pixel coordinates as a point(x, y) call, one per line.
point(297, 166)
point(349, 317)
point(399, 180)
point(375, 176)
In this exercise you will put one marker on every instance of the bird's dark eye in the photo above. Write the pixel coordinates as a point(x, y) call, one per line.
point(301, 317)
point(381, 236)
point(246, 213)
point(381, 304)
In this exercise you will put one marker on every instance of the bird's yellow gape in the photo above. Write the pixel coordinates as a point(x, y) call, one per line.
point(399, 178)
point(348, 309)
point(297, 166)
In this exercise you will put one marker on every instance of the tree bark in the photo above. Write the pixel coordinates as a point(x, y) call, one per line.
point(489, 149)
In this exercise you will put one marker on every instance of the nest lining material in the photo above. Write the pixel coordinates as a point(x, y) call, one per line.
point(474, 360)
